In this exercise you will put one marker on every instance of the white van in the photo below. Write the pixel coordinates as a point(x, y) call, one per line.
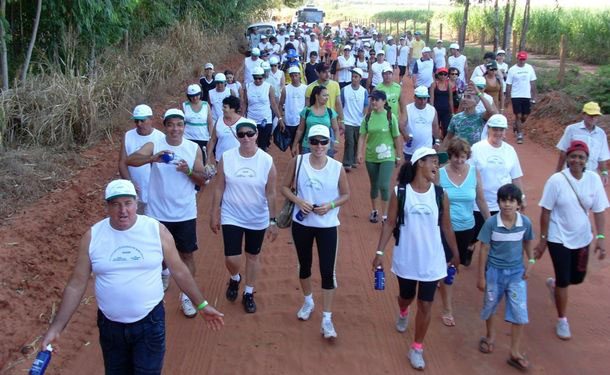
point(254, 32)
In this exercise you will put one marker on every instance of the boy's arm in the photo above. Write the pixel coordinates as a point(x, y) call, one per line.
point(527, 248)
point(482, 263)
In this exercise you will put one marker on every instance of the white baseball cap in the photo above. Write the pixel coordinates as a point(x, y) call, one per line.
point(294, 69)
point(209, 66)
point(266, 66)
point(500, 51)
point(479, 81)
point(454, 46)
point(357, 71)
point(367, 44)
point(263, 36)
point(173, 112)
point(497, 121)
point(347, 47)
point(141, 112)
point(220, 77)
point(381, 52)
point(119, 188)
point(387, 69)
point(319, 131)
point(193, 89)
point(422, 92)
point(439, 41)
point(291, 33)
point(256, 52)
point(426, 49)
point(273, 60)
point(425, 151)
point(258, 71)
point(390, 38)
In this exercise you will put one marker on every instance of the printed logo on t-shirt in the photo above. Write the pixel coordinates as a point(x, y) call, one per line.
point(126, 254)
point(383, 151)
point(314, 184)
point(245, 173)
point(495, 160)
point(420, 209)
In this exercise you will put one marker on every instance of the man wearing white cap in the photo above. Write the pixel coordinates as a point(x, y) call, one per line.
point(378, 43)
point(125, 251)
point(217, 94)
point(207, 81)
point(133, 140)
point(423, 70)
point(264, 46)
point(390, 51)
point(440, 55)
point(176, 167)
point(404, 49)
point(502, 67)
point(250, 63)
point(458, 61)
point(345, 63)
point(421, 124)
point(292, 102)
point(355, 102)
point(313, 44)
point(417, 45)
point(376, 73)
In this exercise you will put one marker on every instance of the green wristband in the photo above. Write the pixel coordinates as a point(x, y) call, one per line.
point(202, 305)
point(190, 172)
point(332, 204)
point(600, 237)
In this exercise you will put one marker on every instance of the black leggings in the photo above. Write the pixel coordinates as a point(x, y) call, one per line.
point(570, 264)
point(425, 289)
point(326, 241)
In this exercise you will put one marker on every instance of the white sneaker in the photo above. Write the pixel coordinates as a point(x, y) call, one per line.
point(165, 281)
point(416, 357)
point(327, 329)
point(187, 307)
point(305, 311)
point(402, 323)
point(563, 330)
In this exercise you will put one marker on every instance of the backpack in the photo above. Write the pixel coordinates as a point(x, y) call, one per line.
point(400, 218)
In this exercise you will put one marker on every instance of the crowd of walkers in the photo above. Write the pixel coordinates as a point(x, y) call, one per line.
point(319, 91)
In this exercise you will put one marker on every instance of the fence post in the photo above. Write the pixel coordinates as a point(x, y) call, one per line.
point(562, 59)
point(441, 35)
point(428, 33)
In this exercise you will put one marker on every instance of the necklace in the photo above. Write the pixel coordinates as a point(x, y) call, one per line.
point(456, 171)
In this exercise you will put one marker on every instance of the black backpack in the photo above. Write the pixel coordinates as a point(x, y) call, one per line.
point(400, 217)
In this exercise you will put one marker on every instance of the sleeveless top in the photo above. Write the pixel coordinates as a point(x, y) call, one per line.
point(140, 175)
point(461, 198)
point(364, 65)
point(275, 80)
point(441, 99)
point(318, 186)
point(259, 106)
point(196, 123)
point(419, 254)
point(216, 99)
point(244, 201)
point(420, 125)
point(294, 104)
point(127, 265)
point(226, 138)
point(493, 88)
point(172, 193)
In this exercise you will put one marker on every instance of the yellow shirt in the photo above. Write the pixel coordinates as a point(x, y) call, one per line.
point(333, 92)
point(416, 47)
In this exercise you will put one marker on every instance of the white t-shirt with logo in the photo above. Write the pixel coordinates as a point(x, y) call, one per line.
point(140, 175)
point(419, 124)
point(520, 77)
point(403, 55)
point(294, 104)
point(376, 71)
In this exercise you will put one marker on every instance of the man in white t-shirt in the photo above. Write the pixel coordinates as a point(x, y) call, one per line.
point(292, 102)
point(595, 138)
point(421, 124)
point(391, 52)
point(313, 44)
point(376, 73)
point(355, 102)
point(423, 69)
point(250, 63)
point(345, 64)
point(458, 61)
point(403, 57)
point(521, 89)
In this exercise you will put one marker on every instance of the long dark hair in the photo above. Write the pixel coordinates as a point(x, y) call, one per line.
point(408, 171)
point(316, 90)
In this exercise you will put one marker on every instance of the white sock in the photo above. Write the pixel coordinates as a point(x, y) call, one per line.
point(564, 319)
point(249, 289)
point(326, 315)
point(236, 277)
point(165, 272)
point(309, 299)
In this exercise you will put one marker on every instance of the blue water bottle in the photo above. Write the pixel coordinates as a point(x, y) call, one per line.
point(410, 142)
point(167, 157)
point(450, 275)
point(379, 278)
point(41, 362)
point(301, 215)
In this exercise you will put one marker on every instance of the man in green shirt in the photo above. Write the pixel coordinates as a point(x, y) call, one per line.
point(392, 91)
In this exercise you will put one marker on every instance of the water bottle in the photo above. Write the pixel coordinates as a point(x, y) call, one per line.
point(167, 157)
point(41, 362)
point(301, 215)
point(379, 279)
point(450, 275)
point(410, 142)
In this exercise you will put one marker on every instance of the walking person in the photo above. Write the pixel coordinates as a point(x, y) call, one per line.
point(421, 121)
point(423, 69)
point(379, 146)
point(322, 188)
point(469, 123)
point(441, 97)
point(172, 195)
point(376, 70)
point(223, 135)
point(345, 63)
point(363, 64)
point(565, 229)
point(458, 61)
point(418, 265)
point(125, 251)
point(292, 102)
point(403, 58)
point(417, 47)
point(521, 89)
point(251, 62)
point(391, 52)
point(217, 95)
point(244, 208)
point(392, 91)
point(207, 81)
point(355, 101)
point(197, 118)
point(439, 54)
point(494, 85)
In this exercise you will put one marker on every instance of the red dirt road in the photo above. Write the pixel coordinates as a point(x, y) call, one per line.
point(273, 341)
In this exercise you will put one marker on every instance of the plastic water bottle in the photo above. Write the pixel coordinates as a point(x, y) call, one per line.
point(379, 279)
point(301, 215)
point(41, 362)
point(410, 142)
point(167, 157)
point(450, 275)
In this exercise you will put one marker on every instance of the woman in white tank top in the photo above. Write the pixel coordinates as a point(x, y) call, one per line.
point(197, 118)
point(418, 260)
point(322, 187)
point(223, 136)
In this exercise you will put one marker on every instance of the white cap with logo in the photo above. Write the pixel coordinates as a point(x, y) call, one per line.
point(193, 89)
point(172, 113)
point(120, 188)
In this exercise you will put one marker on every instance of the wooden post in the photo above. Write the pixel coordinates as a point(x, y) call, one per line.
point(428, 33)
point(441, 33)
point(562, 59)
point(514, 54)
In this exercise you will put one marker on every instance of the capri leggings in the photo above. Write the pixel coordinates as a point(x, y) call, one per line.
point(570, 264)
point(380, 175)
point(326, 241)
point(425, 289)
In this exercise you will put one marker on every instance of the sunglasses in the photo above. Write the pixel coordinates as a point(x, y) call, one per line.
point(315, 141)
point(244, 134)
point(493, 70)
point(442, 74)
point(257, 77)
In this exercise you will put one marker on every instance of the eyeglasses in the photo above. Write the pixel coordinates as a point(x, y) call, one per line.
point(244, 134)
point(257, 77)
point(315, 141)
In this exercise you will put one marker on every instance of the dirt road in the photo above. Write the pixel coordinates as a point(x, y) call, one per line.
point(273, 341)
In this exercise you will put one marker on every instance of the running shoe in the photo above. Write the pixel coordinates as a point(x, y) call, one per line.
point(327, 329)
point(233, 289)
point(563, 330)
point(373, 217)
point(305, 311)
point(402, 323)
point(550, 283)
point(519, 138)
point(165, 281)
point(416, 357)
point(187, 306)
point(248, 302)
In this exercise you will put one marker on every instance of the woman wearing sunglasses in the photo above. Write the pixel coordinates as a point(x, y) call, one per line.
point(458, 87)
point(441, 96)
point(244, 207)
point(322, 188)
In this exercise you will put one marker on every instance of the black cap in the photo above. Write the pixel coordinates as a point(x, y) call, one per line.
point(321, 67)
point(376, 94)
point(489, 55)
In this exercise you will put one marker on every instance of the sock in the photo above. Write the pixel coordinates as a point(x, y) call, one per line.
point(165, 272)
point(404, 312)
point(309, 299)
point(249, 289)
point(564, 319)
point(236, 277)
point(326, 315)
point(417, 345)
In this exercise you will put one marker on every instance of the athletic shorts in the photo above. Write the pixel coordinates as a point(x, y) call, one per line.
point(521, 106)
point(184, 233)
point(570, 264)
point(507, 283)
point(232, 236)
point(425, 289)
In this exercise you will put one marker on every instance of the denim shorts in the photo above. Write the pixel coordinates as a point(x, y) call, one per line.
point(509, 283)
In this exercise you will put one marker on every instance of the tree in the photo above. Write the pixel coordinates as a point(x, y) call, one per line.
point(28, 56)
point(525, 25)
point(3, 52)
point(462, 36)
point(496, 25)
